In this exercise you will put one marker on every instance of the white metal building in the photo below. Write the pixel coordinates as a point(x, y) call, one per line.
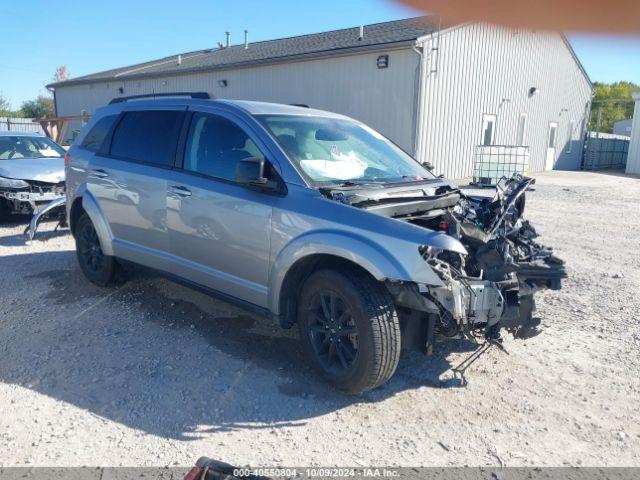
point(633, 159)
point(437, 91)
point(623, 127)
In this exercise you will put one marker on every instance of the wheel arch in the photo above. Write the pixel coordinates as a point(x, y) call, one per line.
point(298, 273)
point(327, 249)
point(86, 203)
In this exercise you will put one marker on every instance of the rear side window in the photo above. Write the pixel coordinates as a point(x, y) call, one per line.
point(148, 136)
point(95, 138)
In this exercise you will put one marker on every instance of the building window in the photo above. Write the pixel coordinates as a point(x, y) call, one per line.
point(572, 125)
point(488, 129)
point(521, 130)
point(553, 134)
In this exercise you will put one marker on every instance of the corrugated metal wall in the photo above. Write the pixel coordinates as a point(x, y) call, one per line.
point(633, 159)
point(352, 85)
point(480, 69)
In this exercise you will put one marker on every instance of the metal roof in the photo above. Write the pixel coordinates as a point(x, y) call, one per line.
point(399, 32)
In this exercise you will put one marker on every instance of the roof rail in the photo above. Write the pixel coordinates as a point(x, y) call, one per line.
point(202, 95)
point(301, 105)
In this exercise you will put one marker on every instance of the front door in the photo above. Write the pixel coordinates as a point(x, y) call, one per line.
point(219, 230)
point(551, 146)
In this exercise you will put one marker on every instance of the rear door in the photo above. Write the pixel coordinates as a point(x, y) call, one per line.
point(129, 181)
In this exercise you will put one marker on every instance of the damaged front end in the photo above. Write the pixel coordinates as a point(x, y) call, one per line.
point(39, 199)
point(490, 288)
point(26, 197)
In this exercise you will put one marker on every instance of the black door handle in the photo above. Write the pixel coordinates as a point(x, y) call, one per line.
point(98, 172)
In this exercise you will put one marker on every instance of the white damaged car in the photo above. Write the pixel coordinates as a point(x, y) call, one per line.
point(31, 173)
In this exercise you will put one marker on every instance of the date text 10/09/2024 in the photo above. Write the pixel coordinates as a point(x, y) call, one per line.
point(317, 472)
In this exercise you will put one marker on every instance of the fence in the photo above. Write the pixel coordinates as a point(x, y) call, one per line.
point(492, 162)
point(19, 125)
point(605, 150)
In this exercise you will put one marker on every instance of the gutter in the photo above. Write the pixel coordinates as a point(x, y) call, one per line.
point(578, 62)
point(418, 48)
point(55, 100)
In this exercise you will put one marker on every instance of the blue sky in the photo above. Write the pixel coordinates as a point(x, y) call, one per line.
point(40, 35)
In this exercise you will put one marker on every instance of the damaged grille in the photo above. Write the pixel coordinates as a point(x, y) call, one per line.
point(45, 187)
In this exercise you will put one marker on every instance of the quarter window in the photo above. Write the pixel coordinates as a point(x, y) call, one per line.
point(149, 136)
point(215, 146)
point(96, 136)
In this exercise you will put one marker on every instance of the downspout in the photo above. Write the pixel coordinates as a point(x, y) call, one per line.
point(418, 48)
point(55, 101)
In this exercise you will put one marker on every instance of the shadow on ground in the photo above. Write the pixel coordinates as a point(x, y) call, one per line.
point(47, 230)
point(158, 357)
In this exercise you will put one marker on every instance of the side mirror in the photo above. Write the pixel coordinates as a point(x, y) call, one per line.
point(428, 166)
point(250, 172)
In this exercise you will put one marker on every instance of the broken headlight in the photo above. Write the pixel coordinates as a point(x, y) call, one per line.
point(12, 183)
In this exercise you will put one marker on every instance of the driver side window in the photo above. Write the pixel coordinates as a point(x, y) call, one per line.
point(215, 145)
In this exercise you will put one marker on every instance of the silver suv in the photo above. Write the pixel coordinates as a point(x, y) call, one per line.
point(306, 216)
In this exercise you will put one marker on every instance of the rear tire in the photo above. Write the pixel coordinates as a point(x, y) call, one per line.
point(350, 329)
point(99, 268)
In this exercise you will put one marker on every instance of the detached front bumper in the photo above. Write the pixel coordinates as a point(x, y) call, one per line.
point(56, 207)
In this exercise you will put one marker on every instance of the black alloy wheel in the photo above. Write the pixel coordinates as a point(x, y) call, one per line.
point(333, 332)
point(96, 266)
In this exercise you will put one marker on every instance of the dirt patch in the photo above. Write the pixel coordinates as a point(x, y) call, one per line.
point(152, 373)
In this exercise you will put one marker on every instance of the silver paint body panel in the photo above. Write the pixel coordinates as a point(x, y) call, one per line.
point(230, 238)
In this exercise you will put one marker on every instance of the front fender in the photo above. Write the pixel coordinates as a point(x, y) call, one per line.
point(397, 260)
point(90, 205)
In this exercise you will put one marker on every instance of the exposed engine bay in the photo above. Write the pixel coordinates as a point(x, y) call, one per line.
point(490, 288)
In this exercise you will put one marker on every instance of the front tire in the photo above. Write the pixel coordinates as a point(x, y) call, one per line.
point(5, 210)
point(350, 329)
point(99, 268)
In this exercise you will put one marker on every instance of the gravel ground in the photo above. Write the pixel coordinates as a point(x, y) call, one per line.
point(151, 373)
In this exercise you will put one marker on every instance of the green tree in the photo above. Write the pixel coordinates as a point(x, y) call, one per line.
point(5, 106)
point(41, 107)
point(615, 103)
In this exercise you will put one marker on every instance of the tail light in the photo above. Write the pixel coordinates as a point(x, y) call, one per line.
point(67, 158)
point(194, 474)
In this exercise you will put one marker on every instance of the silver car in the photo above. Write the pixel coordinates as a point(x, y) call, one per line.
point(309, 217)
point(31, 172)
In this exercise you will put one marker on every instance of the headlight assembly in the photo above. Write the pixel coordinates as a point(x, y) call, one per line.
point(12, 183)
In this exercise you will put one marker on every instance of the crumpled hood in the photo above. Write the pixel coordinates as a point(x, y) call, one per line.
point(49, 170)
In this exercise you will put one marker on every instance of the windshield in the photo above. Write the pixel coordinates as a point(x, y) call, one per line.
point(16, 147)
point(329, 150)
